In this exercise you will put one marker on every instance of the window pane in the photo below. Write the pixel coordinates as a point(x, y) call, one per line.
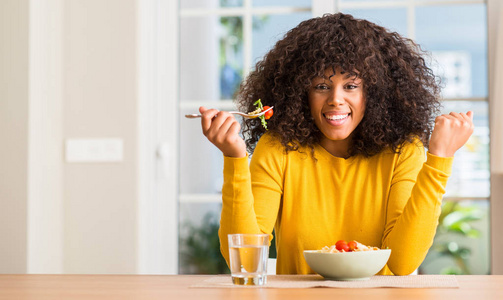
point(298, 3)
point(231, 3)
point(268, 29)
point(199, 249)
point(470, 174)
point(198, 4)
point(201, 163)
point(230, 56)
point(461, 245)
point(457, 36)
point(394, 19)
point(211, 57)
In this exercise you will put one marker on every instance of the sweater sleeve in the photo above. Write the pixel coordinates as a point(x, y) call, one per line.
point(414, 206)
point(251, 194)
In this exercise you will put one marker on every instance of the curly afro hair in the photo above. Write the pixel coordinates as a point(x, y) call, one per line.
point(401, 91)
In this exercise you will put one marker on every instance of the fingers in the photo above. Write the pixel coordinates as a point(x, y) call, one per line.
point(207, 118)
point(462, 116)
point(222, 129)
point(446, 119)
point(470, 115)
point(450, 133)
point(466, 119)
point(455, 114)
point(456, 118)
point(234, 129)
point(217, 125)
point(219, 132)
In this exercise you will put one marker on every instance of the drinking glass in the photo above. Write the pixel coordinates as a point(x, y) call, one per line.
point(248, 254)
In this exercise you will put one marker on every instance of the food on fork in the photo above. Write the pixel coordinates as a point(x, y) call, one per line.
point(261, 108)
point(343, 246)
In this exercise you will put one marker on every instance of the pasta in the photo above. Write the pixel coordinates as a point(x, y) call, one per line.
point(359, 247)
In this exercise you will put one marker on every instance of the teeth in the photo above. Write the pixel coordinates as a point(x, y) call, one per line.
point(337, 117)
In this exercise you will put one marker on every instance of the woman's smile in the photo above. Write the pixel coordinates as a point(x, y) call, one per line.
point(336, 118)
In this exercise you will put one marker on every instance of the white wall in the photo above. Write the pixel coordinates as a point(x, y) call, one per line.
point(68, 70)
point(13, 135)
point(99, 46)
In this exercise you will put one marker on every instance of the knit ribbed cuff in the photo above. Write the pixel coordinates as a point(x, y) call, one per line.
point(443, 164)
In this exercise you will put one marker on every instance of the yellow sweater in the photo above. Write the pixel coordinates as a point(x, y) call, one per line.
point(388, 200)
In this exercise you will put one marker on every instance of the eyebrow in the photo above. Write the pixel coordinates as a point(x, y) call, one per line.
point(348, 75)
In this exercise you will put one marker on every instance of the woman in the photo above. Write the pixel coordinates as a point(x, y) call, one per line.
point(344, 156)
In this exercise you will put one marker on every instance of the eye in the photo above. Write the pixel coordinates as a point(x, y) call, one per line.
point(351, 86)
point(321, 86)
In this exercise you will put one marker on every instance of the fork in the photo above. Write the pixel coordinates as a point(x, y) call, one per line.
point(244, 115)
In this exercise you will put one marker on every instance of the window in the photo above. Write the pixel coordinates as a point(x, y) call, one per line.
point(221, 40)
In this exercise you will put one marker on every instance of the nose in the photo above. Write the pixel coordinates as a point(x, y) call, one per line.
point(336, 98)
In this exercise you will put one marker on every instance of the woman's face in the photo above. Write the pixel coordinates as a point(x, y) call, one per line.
point(337, 104)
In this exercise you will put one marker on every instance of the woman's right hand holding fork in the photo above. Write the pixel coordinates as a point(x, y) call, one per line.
point(222, 130)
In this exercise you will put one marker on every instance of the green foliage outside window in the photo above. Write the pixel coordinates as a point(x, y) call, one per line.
point(200, 248)
point(456, 223)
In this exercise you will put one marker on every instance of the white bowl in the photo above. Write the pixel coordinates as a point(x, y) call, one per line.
point(347, 265)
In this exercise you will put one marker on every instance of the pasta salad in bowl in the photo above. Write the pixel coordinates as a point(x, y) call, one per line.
point(347, 260)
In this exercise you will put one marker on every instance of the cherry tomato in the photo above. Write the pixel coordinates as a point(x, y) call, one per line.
point(342, 245)
point(269, 113)
point(352, 245)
